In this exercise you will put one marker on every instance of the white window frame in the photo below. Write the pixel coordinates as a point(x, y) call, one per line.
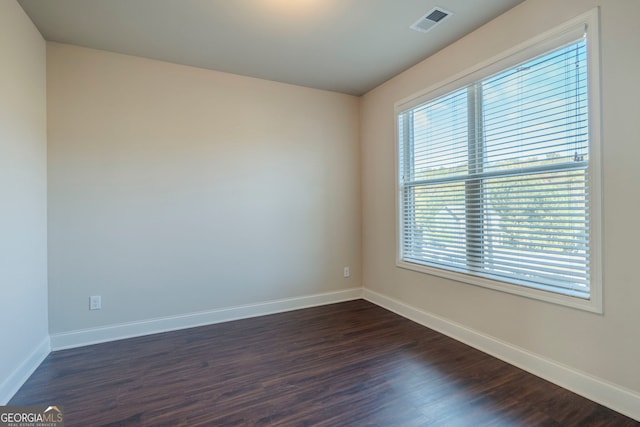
point(583, 24)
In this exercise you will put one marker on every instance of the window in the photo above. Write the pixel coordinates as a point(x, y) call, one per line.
point(499, 173)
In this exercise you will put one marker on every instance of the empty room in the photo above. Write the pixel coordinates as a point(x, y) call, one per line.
point(319, 213)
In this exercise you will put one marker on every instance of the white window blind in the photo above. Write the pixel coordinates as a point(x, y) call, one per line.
point(494, 177)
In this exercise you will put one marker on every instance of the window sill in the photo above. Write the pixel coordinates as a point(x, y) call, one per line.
point(593, 304)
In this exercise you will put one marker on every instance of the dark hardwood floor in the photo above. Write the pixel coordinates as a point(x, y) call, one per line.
point(348, 364)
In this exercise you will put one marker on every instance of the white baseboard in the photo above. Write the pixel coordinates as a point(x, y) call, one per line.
point(84, 337)
point(21, 374)
point(613, 396)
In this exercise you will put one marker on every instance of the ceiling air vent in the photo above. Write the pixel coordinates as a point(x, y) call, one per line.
point(431, 19)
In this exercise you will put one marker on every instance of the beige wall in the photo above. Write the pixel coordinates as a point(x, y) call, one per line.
point(175, 190)
point(606, 346)
point(23, 194)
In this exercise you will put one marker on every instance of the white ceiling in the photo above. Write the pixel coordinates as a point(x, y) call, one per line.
point(348, 46)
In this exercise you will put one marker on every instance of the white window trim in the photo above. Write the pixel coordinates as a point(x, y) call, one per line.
point(544, 42)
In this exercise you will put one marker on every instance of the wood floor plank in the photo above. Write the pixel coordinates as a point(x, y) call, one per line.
point(347, 364)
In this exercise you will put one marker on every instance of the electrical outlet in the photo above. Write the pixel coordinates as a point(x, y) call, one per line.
point(346, 272)
point(95, 302)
